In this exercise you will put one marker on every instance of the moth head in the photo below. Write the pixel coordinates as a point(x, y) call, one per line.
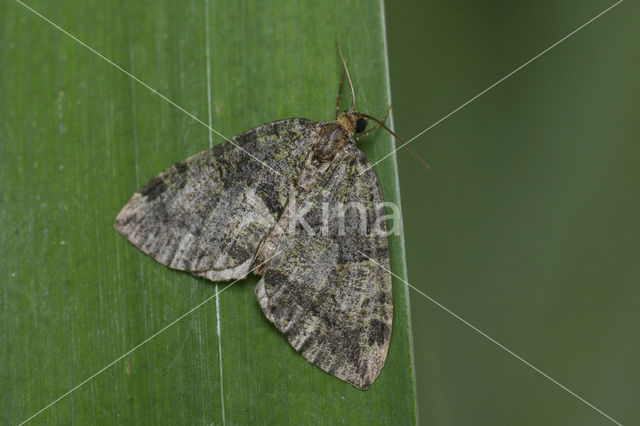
point(352, 121)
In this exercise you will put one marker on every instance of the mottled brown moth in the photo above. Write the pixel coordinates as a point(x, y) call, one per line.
point(235, 208)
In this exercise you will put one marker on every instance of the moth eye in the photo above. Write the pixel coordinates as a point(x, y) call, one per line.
point(361, 124)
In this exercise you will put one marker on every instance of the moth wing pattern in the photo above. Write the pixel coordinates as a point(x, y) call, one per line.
point(207, 214)
point(323, 291)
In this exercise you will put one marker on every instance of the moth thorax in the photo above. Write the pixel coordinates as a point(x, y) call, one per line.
point(335, 138)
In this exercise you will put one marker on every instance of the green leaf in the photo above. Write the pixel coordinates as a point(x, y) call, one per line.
point(78, 137)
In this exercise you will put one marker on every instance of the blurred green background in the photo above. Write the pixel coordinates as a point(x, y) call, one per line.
point(527, 226)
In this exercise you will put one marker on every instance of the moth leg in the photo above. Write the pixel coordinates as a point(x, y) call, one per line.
point(384, 118)
point(339, 95)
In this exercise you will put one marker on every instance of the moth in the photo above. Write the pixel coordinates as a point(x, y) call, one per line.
point(238, 208)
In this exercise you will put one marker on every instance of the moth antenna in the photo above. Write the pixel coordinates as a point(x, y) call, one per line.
point(346, 71)
point(404, 145)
